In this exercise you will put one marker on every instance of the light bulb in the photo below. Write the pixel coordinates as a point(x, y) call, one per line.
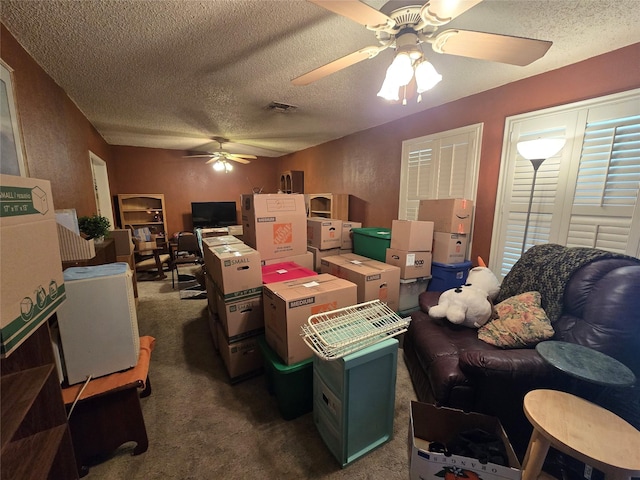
point(227, 167)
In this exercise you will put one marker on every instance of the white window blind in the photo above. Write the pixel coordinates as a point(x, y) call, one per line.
point(442, 165)
point(587, 195)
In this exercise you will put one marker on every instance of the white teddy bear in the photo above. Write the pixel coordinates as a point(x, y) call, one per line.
point(471, 304)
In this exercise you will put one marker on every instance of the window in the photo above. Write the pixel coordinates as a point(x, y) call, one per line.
point(585, 196)
point(442, 165)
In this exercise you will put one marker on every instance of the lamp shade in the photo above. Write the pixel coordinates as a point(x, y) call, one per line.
point(426, 76)
point(401, 70)
point(389, 89)
point(540, 148)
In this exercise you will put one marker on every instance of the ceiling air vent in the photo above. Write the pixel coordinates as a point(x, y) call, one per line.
point(281, 107)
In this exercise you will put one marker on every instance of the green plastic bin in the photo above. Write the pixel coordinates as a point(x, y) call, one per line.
point(292, 385)
point(372, 242)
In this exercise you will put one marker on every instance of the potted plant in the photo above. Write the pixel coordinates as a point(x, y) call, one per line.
point(95, 226)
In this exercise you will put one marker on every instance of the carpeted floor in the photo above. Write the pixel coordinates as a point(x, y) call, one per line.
point(201, 427)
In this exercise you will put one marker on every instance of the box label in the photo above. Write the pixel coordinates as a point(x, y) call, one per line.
point(302, 302)
point(282, 233)
point(266, 219)
point(370, 278)
point(18, 201)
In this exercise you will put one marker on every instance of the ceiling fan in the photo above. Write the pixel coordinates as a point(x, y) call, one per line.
point(406, 25)
point(220, 158)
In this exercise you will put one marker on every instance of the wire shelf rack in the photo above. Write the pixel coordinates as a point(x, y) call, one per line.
point(337, 333)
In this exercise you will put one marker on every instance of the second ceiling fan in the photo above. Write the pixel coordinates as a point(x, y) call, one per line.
point(406, 25)
point(220, 158)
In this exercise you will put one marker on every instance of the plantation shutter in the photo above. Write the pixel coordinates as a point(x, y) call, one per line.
point(608, 182)
point(585, 196)
point(443, 165)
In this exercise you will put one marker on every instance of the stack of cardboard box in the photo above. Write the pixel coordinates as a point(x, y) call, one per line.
point(411, 243)
point(276, 226)
point(452, 225)
point(234, 292)
point(324, 238)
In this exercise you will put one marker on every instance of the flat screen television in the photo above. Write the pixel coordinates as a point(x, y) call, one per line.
point(213, 214)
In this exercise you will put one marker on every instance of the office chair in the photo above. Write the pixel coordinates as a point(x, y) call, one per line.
point(187, 251)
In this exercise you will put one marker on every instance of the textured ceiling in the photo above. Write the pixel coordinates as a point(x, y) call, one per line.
point(173, 74)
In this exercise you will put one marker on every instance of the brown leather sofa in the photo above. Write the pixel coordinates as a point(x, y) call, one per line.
point(592, 298)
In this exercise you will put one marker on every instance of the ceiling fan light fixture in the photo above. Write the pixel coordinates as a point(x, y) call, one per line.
point(218, 166)
point(426, 76)
point(400, 72)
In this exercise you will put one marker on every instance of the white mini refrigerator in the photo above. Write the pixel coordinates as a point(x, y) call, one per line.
point(98, 322)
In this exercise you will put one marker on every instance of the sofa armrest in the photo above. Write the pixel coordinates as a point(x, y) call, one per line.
point(516, 364)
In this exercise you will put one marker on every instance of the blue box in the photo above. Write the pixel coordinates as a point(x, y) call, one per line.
point(292, 385)
point(445, 276)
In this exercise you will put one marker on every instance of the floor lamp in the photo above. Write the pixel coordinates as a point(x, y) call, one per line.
point(537, 151)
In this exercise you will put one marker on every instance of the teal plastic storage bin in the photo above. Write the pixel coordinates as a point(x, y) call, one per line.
point(354, 400)
point(445, 276)
point(292, 385)
point(372, 242)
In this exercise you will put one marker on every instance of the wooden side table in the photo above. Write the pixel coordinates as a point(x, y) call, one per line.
point(108, 413)
point(582, 430)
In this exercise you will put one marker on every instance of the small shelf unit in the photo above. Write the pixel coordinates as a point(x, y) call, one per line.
point(143, 210)
point(35, 437)
point(292, 181)
point(328, 205)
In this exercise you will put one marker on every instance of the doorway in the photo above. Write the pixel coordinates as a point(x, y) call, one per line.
point(101, 187)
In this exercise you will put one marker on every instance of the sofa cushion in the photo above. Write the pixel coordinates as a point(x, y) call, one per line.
point(521, 323)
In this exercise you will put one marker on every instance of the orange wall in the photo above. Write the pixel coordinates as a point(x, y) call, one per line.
point(56, 135)
point(185, 180)
point(367, 164)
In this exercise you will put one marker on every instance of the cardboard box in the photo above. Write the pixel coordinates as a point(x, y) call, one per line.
point(31, 280)
point(275, 224)
point(324, 233)
point(449, 247)
point(219, 241)
point(451, 215)
point(375, 280)
point(287, 305)
point(281, 272)
point(212, 298)
point(411, 264)
point(213, 326)
point(235, 270)
point(347, 234)
point(241, 359)
point(428, 423)
point(318, 255)
point(240, 318)
point(304, 260)
point(412, 235)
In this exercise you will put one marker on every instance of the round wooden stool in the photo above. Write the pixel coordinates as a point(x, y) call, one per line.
point(582, 430)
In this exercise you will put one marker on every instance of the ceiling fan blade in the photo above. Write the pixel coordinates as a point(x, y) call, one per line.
point(204, 155)
point(490, 46)
point(235, 158)
point(337, 65)
point(241, 156)
point(439, 12)
point(358, 12)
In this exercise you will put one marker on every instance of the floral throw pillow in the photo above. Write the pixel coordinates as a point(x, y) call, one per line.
point(521, 323)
